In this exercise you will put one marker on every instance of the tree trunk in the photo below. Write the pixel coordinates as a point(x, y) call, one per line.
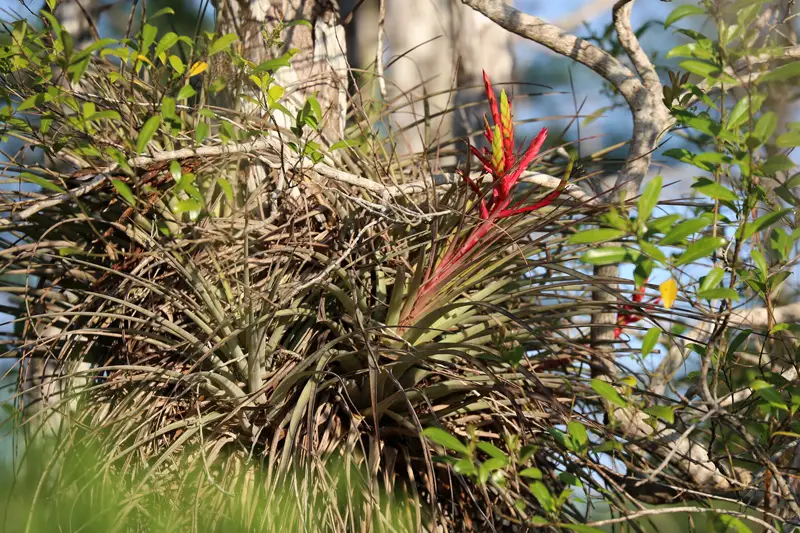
point(444, 45)
point(319, 68)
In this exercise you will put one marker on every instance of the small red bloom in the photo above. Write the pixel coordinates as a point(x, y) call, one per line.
point(628, 315)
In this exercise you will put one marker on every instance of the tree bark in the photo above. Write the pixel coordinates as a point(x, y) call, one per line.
point(442, 45)
point(319, 68)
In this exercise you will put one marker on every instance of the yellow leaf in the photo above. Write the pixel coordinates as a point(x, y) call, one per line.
point(669, 291)
point(140, 57)
point(198, 68)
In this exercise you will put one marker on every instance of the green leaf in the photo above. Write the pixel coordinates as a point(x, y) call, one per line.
point(299, 22)
point(688, 227)
point(221, 43)
point(681, 12)
point(201, 132)
point(580, 528)
point(768, 393)
point(652, 251)
point(698, 50)
point(650, 340)
point(765, 127)
point(186, 92)
point(347, 143)
point(577, 433)
point(147, 132)
point(713, 190)
point(185, 206)
point(465, 467)
point(272, 64)
point(662, 412)
point(177, 64)
point(784, 72)
point(712, 279)
point(443, 438)
point(663, 224)
point(737, 342)
point(594, 115)
point(175, 170)
point(542, 494)
point(40, 181)
point(533, 473)
point(608, 392)
point(609, 255)
point(167, 41)
point(744, 109)
point(715, 158)
point(789, 139)
point(596, 235)
point(124, 191)
point(649, 198)
point(701, 68)
point(315, 108)
point(168, 108)
point(763, 222)
point(777, 163)
point(108, 114)
point(731, 524)
point(161, 12)
point(35, 100)
point(492, 450)
point(149, 33)
point(227, 189)
point(760, 262)
point(700, 248)
point(720, 293)
point(488, 467)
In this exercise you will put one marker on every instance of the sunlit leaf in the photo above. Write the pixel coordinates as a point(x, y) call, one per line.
point(650, 340)
point(596, 235)
point(443, 438)
point(713, 190)
point(781, 73)
point(662, 412)
point(763, 222)
point(146, 133)
point(608, 392)
point(699, 249)
point(222, 43)
point(669, 291)
point(124, 191)
point(649, 198)
point(198, 68)
point(686, 228)
point(609, 255)
point(40, 181)
point(681, 12)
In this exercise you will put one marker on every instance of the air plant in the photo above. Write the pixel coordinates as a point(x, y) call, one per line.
point(505, 167)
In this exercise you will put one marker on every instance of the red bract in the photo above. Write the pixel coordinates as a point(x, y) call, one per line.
point(628, 315)
point(505, 168)
point(501, 162)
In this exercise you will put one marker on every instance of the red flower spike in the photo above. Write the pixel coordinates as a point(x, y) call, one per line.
point(487, 129)
point(506, 169)
point(628, 315)
point(507, 124)
point(482, 159)
point(492, 99)
point(498, 156)
point(474, 186)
